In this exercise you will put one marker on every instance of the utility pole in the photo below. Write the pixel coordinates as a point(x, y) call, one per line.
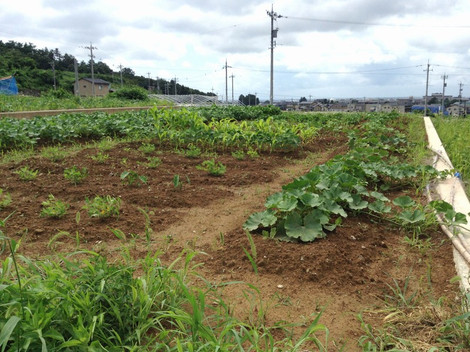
point(53, 72)
point(91, 47)
point(427, 85)
point(232, 76)
point(175, 84)
point(460, 96)
point(226, 84)
point(158, 86)
point(149, 80)
point(120, 72)
point(444, 85)
point(77, 86)
point(274, 16)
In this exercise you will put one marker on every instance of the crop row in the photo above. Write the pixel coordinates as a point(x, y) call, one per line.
point(174, 127)
point(314, 204)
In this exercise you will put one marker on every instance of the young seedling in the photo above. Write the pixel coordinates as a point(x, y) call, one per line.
point(132, 178)
point(75, 175)
point(193, 152)
point(100, 157)
point(212, 167)
point(53, 208)
point(177, 182)
point(5, 199)
point(26, 174)
point(253, 154)
point(153, 162)
point(53, 153)
point(147, 148)
point(102, 207)
point(239, 154)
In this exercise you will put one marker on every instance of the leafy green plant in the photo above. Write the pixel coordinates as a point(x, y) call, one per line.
point(132, 178)
point(252, 153)
point(238, 154)
point(53, 208)
point(132, 93)
point(177, 182)
point(103, 207)
point(192, 152)
point(100, 157)
point(147, 148)
point(75, 174)
point(53, 153)
point(5, 199)
point(27, 174)
point(252, 255)
point(315, 204)
point(212, 167)
point(153, 162)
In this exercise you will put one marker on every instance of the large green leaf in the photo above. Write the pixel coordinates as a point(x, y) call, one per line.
point(311, 199)
point(411, 217)
point(379, 196)
point(273, 200)
point(357, 202)
point(404, 202)
point(441, 206)
point(7, 330)
point(282, 201)
point(262, 219)
point(379, 207)
point(333, 207)
point(307, 229)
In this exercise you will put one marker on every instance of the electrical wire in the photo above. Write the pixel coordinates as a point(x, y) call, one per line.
point(360, 23)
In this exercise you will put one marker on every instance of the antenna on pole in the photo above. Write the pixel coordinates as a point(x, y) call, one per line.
point(274, 16)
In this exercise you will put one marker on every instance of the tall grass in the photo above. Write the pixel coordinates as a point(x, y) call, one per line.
point(84, 302)
point(454, 134)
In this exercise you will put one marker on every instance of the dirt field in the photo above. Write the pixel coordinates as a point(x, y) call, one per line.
point(343, 275)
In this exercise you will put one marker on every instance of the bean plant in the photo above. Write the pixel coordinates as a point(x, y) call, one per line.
point(75, 174)
point(54, 208)
point(103, 206)
point(27, 174)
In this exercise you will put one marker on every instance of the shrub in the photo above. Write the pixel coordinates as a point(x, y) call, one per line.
point(131, 93)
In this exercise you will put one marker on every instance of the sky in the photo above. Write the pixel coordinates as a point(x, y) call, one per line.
point(324, 48)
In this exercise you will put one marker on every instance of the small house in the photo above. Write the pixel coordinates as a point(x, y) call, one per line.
point(88, 87)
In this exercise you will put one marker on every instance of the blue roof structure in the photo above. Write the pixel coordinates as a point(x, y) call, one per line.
point(8, 85)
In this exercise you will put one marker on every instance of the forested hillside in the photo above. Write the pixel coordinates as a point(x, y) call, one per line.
point(34, 69)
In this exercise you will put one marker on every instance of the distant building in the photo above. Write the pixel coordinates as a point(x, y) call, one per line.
point(85, 87)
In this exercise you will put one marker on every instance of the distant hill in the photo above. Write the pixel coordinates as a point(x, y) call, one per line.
point(34, 71)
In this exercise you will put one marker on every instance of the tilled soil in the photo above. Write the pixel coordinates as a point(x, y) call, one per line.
point(345, 274)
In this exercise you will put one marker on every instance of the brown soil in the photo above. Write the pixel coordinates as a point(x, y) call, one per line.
point(342, 275)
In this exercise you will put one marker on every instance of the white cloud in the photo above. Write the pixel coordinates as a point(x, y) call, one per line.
point(334, 48)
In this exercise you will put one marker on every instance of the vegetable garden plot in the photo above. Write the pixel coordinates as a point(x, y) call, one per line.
point(348, 271)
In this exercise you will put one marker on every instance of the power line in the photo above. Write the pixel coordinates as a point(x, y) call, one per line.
point(360, 23)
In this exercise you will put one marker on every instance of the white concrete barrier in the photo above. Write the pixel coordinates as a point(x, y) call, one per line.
point(452, 191)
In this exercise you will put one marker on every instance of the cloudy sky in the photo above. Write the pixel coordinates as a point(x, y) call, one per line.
point(325, 49)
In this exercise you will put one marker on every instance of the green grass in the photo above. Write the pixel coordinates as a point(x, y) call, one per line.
point(82, 301)
point(10, 103)
point(454, 134)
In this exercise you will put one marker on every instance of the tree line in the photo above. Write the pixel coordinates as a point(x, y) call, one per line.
point(34, 70)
